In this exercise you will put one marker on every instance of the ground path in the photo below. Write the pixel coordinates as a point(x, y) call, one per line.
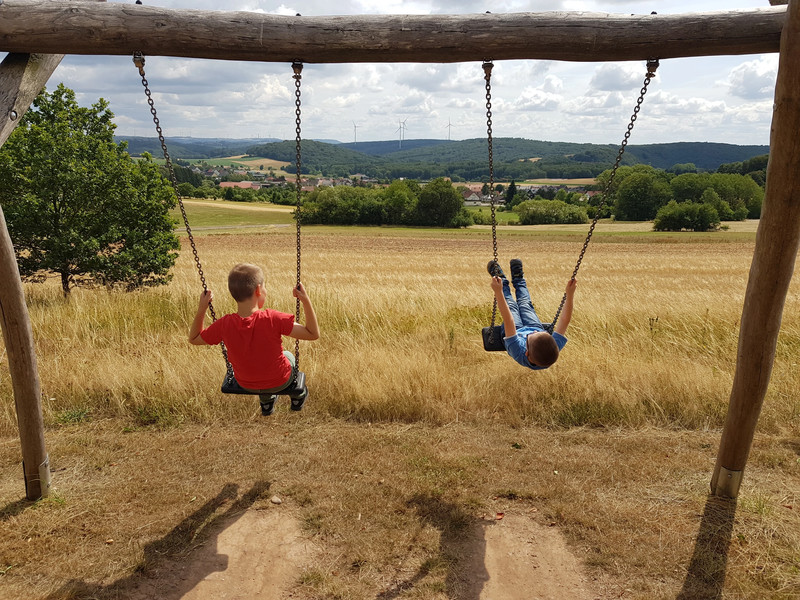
point(260, 554)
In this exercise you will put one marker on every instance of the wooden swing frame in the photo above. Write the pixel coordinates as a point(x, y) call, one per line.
point(37, 34)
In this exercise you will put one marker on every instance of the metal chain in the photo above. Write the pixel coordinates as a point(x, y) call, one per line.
point(652, 65)
point(297, 67)
point(138, 60)
point(487, 70)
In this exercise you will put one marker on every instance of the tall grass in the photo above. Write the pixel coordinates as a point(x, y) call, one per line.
point(652, 342)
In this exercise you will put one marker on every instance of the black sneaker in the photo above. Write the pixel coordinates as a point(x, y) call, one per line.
point(297, 403)
point(267, 404)
point(516, 269)
point(495, 270)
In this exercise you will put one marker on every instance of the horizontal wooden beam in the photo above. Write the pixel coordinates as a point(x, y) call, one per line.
point(79, 27)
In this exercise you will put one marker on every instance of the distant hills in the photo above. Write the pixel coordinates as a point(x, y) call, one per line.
point(516, 158)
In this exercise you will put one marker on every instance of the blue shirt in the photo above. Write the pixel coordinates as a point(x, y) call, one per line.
point(517, 345)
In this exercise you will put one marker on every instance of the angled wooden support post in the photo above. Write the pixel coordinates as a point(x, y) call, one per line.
point(22, 77)
point(776, 248)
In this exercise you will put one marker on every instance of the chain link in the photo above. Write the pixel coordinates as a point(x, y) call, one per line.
point(138, 60)
point(652, 65)
point(488, 65)
point(297, 67)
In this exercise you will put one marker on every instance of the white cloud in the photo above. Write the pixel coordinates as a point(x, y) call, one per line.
point(754, 79)
point(613, 77)
point(703, 99)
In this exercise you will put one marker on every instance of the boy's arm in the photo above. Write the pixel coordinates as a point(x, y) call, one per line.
point(566, 313)
point(309, 331)
point(505, 312)
point(199, 318)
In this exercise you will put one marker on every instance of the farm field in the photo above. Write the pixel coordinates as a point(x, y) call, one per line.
point(252, 163)
point(205, 215)
point(416, 448)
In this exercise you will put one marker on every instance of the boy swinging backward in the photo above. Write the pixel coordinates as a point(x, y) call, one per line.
point(252, 336)
point(525, 338)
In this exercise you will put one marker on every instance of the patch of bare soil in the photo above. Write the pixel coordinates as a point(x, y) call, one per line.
point(517, 558)
point(261, 553)
point(256, 555)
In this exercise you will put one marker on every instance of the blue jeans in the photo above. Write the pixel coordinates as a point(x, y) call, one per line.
point(522, 308)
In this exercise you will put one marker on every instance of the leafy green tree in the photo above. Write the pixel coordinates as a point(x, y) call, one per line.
point(640, 196)
point(439, 203)
point(689, 186)
point(186, 190)
point(400, 202)
point(712, 198)
point(740, 191)
point(680, 168)
point(76, 203)
point(511, 192)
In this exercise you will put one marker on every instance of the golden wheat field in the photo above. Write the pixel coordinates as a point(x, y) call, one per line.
point(652, 342)
point(411, 424)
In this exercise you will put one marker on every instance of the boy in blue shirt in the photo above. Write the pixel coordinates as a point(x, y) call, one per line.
point(525, 338)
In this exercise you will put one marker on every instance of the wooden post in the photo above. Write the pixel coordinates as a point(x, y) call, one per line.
point(74, 27)
point(777, 243)
point(22, 76)
point(18, 338)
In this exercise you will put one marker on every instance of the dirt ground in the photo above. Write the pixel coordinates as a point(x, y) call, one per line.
point(260, 553)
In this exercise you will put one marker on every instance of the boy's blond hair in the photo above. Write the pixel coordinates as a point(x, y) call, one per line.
point(542, 350)
point(243, 280)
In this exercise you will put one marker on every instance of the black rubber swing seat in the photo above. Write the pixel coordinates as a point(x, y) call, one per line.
point(294, 389)
point(493, 338)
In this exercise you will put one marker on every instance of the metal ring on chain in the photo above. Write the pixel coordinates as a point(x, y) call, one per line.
point(652, 65)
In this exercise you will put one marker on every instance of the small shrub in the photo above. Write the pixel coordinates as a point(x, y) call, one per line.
point(72, 416)
point(689, 216)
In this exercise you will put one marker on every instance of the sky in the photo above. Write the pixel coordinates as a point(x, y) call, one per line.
point(708, 99)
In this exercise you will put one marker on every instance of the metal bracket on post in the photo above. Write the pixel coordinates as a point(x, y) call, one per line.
point(727, 483)
point(44, 477)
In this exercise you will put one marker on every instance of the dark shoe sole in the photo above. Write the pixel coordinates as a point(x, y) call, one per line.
point(516, 269)
point(268, 406)
point(298, 403)
point(495, 270)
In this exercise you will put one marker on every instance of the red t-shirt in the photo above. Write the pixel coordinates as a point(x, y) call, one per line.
point(254, 346)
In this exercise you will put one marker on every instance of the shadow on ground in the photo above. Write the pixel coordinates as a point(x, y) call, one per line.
point(462, 548)
point(705, 577)
point(12, 509)
point(202, 526)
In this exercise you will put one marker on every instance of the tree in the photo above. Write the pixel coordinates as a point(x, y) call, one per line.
point(400, 202)
point(78, 205)
point(510, 193)
point(640, 196)
point(186, 190)
point(439, 203)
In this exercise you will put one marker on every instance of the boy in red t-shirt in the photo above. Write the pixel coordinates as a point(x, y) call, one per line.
point(253, 333)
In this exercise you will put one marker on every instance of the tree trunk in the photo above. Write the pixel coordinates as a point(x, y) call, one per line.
point(65, 283)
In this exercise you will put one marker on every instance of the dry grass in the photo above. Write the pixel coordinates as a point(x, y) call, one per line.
point(653, 340)
point(411, 425)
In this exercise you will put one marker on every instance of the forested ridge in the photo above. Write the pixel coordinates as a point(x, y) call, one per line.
point(514, 158)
